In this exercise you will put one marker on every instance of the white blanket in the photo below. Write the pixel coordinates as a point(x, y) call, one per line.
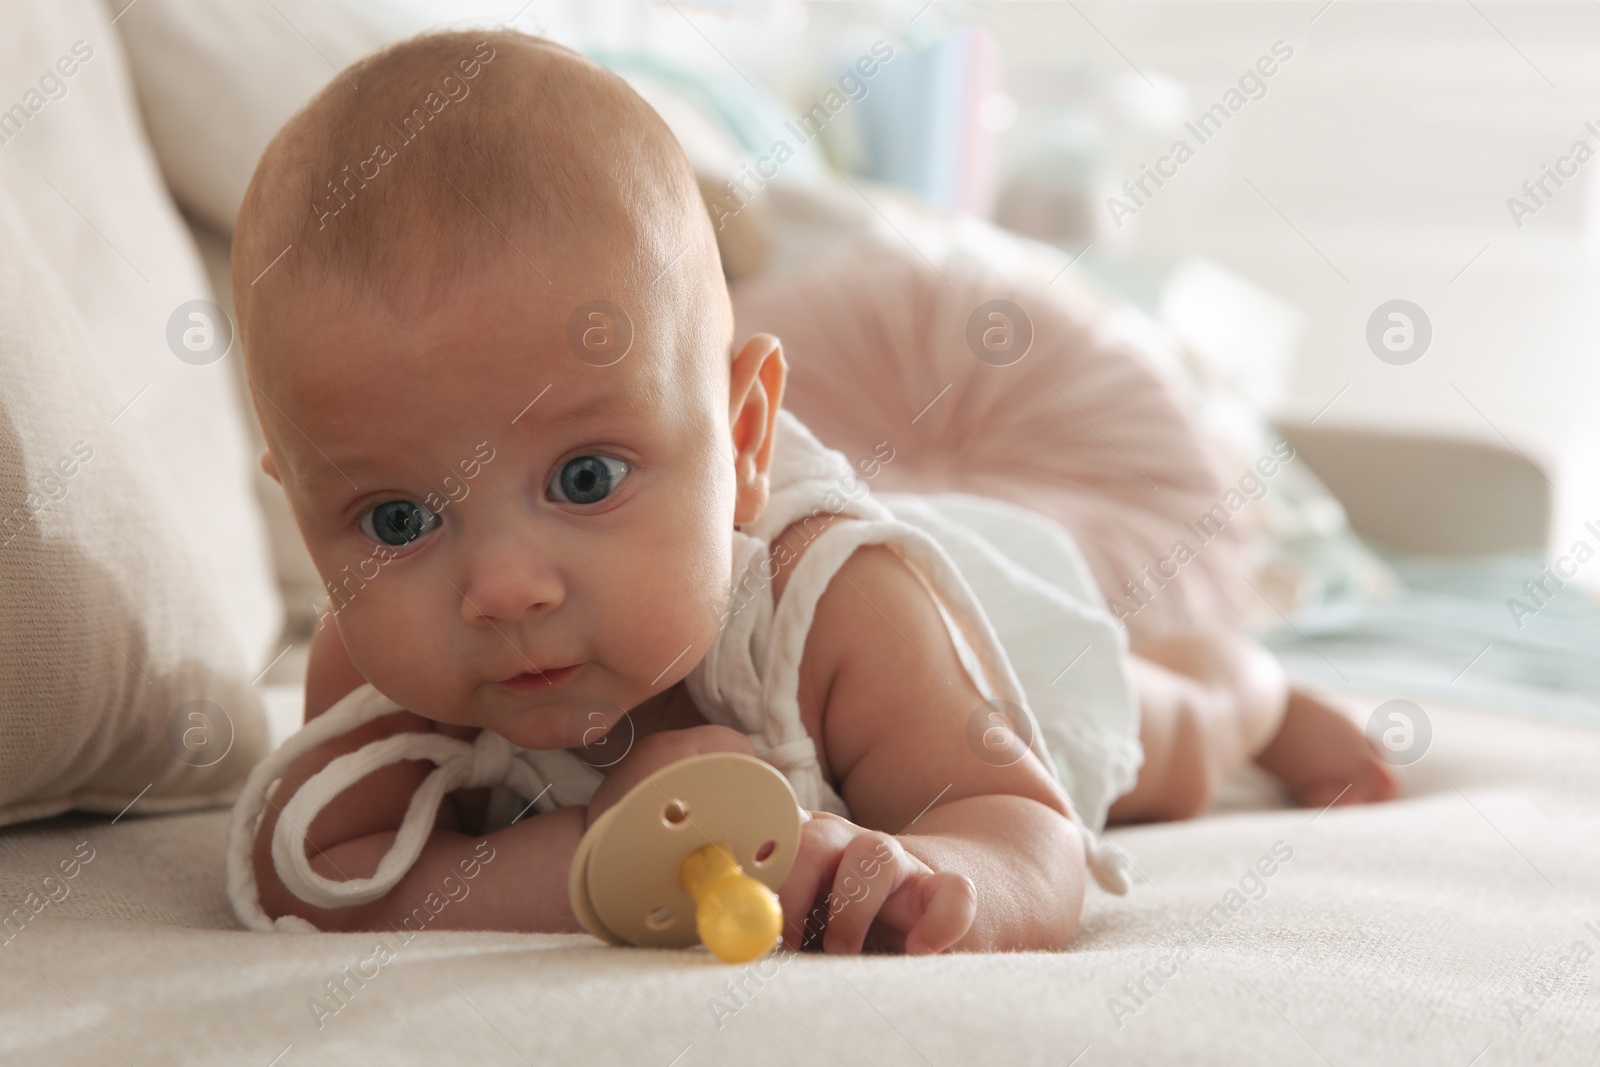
point(1430, 930)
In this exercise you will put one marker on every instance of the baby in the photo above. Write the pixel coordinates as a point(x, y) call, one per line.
point(491, 348)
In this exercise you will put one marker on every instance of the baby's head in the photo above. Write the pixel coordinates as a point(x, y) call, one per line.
point(495, 372)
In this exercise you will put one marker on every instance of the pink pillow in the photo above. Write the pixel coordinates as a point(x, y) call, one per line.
point(1080, 428)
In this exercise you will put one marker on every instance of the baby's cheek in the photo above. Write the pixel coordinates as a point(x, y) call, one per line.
point(396, 643)
point(675, 601)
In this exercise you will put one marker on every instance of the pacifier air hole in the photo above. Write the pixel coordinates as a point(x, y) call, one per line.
point(660, 918)
point(765, 851)
point(675, 812)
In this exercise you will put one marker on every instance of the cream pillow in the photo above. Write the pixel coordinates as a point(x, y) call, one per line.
point(134, 574)
point(74, 160)
point(120, 679)
point(217, 78)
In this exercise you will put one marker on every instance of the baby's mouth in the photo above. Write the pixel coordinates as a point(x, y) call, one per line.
point(544, 678)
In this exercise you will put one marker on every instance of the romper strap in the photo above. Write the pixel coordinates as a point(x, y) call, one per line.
point(793, 618)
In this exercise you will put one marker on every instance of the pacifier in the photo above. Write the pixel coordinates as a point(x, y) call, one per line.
point(695, 853)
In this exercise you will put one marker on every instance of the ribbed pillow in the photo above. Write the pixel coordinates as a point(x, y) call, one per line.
point(120, 678)
point(1081, 428)
point(217, 78)
point(135, 575)
point(80, 170)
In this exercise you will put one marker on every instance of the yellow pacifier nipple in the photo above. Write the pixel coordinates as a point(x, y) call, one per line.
point(738, 918)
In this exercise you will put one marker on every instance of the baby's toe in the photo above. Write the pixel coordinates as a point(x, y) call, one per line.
point(1372, 783)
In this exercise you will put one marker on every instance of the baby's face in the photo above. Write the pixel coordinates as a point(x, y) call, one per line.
point(532, 569)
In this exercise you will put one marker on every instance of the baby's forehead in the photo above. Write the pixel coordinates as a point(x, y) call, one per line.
point(497, 348)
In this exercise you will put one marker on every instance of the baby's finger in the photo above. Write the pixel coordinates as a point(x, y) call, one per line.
point(822, 838)
point(949, 903)
point(870, 869)
point(939, 907)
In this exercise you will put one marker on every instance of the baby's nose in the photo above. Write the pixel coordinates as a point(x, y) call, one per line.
point(508, 579)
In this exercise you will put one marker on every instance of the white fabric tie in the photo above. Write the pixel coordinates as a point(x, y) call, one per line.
point(487, 761)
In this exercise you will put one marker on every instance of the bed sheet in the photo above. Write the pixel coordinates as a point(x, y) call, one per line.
point(1456, 922)
point(1460, 630)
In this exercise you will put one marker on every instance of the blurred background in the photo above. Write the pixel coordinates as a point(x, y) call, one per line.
point(1376, 163)
point(1370, 228)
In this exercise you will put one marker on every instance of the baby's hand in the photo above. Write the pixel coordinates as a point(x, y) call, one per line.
point(872, 877)
point(658, 750)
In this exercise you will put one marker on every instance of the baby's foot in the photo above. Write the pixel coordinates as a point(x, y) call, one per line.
point(1322, 754)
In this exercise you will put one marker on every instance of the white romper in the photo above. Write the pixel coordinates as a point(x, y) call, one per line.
point(1022, 610)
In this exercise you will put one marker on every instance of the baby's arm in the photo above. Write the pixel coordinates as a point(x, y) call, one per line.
point(896, 704)
point(512, 879)
point(517, 881)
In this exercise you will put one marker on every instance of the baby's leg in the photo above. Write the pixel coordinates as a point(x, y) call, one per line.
point(1209, 701)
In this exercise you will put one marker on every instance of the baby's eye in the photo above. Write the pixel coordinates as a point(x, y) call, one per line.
point(587, 479)
point(398, 522)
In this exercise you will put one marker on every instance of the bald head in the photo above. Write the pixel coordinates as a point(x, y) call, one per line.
point(443, 154)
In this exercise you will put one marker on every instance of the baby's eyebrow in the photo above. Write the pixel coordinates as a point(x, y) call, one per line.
point(342, 473)
point(624, 404)
point(346, 473)
point(587, 409)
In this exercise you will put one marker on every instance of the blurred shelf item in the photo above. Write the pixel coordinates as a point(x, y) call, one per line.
point(927, 123)
point(1447, 496)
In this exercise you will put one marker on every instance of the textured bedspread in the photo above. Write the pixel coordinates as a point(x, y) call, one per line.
point(1458, 922)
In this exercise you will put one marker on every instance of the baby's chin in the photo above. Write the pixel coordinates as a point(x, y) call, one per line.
point(573, 719)
point(572, 723)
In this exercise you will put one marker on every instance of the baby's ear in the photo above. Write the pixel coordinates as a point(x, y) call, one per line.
point(269, 466)
point(756, 391)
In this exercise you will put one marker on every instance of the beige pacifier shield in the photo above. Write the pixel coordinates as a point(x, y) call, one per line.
point(578, 884)
point(639, 844)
